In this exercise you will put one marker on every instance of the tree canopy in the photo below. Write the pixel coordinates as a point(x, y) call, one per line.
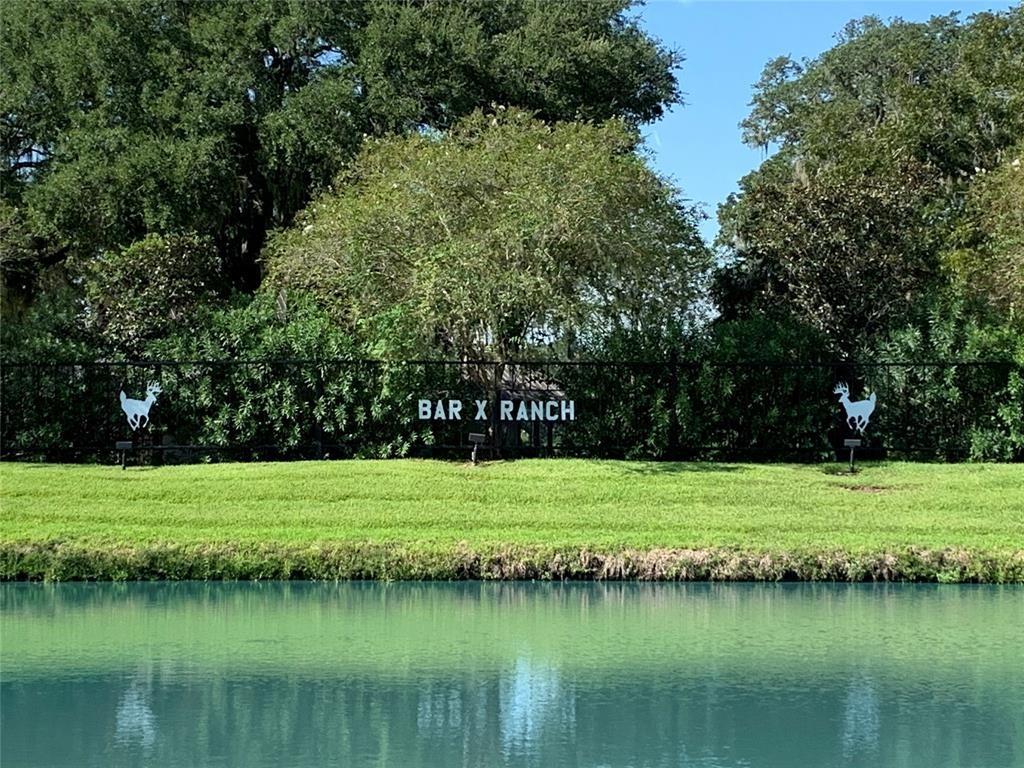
point(153, 148)
point(987, 260)
point(878, 144)
point(325, 179)
point(220, 119)
point(501, 236)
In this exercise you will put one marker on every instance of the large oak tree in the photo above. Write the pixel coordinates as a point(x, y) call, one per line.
point(125, 118)
point(876, 145)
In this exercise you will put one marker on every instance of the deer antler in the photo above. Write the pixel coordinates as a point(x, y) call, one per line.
point(841, 389)
point(153, 388)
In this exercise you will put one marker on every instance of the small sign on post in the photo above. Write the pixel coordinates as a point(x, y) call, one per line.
point(477, 439)
point(123, 446)
point(851, 444)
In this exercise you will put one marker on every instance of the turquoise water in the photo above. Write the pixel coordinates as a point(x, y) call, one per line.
point(472, 674)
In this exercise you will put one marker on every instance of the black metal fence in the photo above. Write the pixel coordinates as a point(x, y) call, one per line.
point(284, 409)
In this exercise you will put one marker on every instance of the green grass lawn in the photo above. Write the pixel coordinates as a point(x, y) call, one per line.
point(570, 504)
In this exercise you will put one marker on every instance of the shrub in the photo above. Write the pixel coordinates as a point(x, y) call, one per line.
point(296, 385)
point(970, 411)
point(151, 288)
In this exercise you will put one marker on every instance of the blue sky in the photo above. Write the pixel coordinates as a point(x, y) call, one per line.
point(726, 44)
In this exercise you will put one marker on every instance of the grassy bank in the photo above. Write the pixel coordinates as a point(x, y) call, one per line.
point(528, 519)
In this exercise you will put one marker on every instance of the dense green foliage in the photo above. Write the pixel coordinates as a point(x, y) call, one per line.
point(849, 225)
point(121, 120)
point(286, 408)
point(232, 394)
point(987, 260)
point(279, 404)
point(156, 283)
point(947, 403)
point(262, 180)
point(503, 236)
point(424, 519)
point(846, 255)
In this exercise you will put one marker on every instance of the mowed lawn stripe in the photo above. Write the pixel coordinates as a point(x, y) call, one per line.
point(574, 503)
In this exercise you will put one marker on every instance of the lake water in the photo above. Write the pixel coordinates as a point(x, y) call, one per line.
point(492, 674)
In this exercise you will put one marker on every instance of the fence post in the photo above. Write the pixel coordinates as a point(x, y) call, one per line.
point(318, 400)
point(156, 456)
point(672, 451)
point(497, 373)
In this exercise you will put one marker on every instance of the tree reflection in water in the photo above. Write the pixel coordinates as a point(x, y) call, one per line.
point(516, 675)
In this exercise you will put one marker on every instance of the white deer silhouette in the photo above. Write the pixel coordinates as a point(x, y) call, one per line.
point(137, 410)
point(858, 412)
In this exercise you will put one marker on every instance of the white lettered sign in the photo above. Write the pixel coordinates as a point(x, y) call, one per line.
point(508, 410)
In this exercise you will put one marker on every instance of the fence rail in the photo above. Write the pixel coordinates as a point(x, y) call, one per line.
point(670, 409)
